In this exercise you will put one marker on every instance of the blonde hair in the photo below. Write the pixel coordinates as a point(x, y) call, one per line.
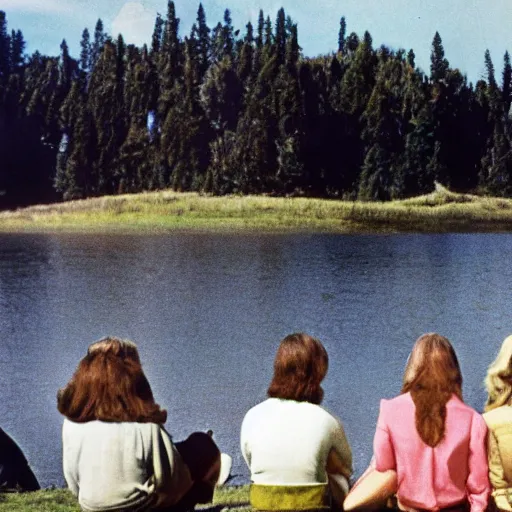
point(498, 380)
point(432, 375)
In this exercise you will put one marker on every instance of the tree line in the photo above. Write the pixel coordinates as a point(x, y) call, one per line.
point(219, 111)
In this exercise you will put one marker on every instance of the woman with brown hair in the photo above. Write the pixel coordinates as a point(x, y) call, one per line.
point(116, 454)
point(498, 416)
point(294, 448)
point(432, 440)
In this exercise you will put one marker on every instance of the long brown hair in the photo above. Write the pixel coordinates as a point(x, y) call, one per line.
point(299, 367)
point(109, 385)
point(432, 375)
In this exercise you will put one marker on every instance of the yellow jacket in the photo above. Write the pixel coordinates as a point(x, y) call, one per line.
point(499, 422)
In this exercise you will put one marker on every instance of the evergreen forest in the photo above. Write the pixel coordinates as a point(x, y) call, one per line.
point(224, 111)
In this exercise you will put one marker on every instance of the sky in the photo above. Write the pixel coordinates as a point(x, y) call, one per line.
point(467, 27)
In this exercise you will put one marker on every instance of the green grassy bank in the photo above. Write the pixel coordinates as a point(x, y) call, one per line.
point(164, 211)
point(230, 499)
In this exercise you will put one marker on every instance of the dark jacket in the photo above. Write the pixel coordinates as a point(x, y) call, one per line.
point(15, 473)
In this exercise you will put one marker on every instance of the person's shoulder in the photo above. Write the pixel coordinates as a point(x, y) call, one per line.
point(105, 428)
point(261, 409)
point(398, 402)
point(464, 412)
point(499, 416)
point(456, 403)
point(321, 415)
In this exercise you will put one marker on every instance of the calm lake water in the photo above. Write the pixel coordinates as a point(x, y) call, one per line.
point(208, 312)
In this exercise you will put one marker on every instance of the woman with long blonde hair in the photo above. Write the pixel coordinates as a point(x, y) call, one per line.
point(116, 454)
point(430, 438)
point(498, 417)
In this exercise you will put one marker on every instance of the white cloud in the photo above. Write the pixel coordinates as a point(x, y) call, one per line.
point(39, 6)
point(135, 22)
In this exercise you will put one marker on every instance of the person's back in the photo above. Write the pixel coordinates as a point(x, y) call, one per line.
point(288, 442)
point(429, 447)
point(109, 464)
point(443, 469)
point(297, 453)
point(498, 417)
point(499, 422)
point(116, 454)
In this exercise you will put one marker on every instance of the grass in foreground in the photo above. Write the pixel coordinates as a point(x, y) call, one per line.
point(234, 499)
point(165, 211)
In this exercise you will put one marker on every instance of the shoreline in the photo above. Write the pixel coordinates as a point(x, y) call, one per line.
point(167, 211)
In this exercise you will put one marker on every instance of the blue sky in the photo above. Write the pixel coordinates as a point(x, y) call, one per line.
point(467, 27)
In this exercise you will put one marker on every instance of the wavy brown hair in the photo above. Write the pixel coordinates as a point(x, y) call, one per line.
point(109, 385)
point(299, 367)
point(432, 376)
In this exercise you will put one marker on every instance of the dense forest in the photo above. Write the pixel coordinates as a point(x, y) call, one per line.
point(220, 111)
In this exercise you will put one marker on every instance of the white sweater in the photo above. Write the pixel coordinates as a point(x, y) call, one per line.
point(285, 442)
point(113, 466)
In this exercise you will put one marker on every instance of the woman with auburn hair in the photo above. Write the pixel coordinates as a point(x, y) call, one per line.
point(116, 454)
point(498, 416)
point(432, 440)
point(296, 451)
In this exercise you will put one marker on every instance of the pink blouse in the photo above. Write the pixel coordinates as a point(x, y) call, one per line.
point(434, 478)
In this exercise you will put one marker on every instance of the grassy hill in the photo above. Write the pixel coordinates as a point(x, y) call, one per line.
point(165, 211)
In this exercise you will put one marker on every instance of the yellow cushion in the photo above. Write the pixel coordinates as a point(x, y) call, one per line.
point(289, 497)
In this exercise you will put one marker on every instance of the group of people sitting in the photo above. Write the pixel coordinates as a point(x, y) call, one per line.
point(432, 452)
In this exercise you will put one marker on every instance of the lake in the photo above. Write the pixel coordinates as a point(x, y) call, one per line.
point(208, 312)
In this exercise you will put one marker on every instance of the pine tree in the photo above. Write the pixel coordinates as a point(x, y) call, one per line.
point(438, 64)
point(489, 66)
point(352, 43)
point(246, 56)
point(280, 37)
point(358, 80)
point(411, 58)
point(495, 98)
point(217, 43)
point(506, 86)
point(105, 106)
point(77, 149)
point(416, 177)
point(261, 28)
point(227, 35)
point(17, 51)
point(156, 38)
point(85, 51)
point(169, 69)
point(203, 41)
point(100, 38)
point(5, 44)
point(384, 126)
point(375, 182)
point(65, 68)
point(292, 47)
point(342, 35)
point(171, 48)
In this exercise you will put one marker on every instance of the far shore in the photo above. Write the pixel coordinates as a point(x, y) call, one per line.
point(167, 211)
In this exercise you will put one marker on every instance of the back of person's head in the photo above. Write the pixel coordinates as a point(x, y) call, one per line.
point(498, 380)
point(109, 385)
point(432, 375)
point(300, 366)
